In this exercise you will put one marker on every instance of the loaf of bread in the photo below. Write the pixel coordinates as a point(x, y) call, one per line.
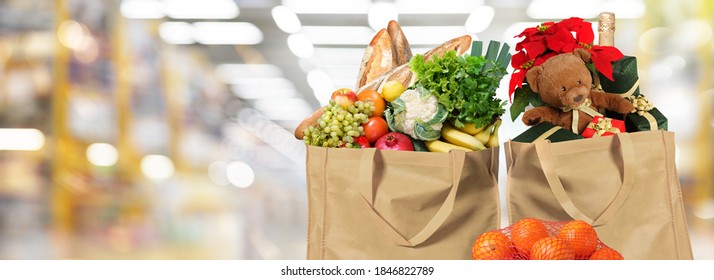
point(377, 59)
point(400, 46)
point(460, 44)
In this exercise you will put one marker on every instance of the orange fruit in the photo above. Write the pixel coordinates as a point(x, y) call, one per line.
point(606, 253)
point(525, 233)
point(581, 236)
point(492, 245)
point(379, 103)
point(552, 248)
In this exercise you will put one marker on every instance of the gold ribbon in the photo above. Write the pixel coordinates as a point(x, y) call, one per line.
point(602, 126)
point(585, 108)
point(642, 108)
point(632, 89)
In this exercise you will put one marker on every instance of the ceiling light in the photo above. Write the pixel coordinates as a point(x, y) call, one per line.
point(442, 7)
point(21, 139)
point(178, 33)
point(380, 14)
point(433, 35)
point(328, 6)
point(255, 88)
point(102, 154)
point(559, 9)
point(339, 56)
point(339, 35)
point(227, 33)
point(142, 9)
point(205, 9)
point(480, 19)
point(286, 19)
point(228, 72)
point(300, 45)
point(157, 166)
point(250, 92)
point(240, 174)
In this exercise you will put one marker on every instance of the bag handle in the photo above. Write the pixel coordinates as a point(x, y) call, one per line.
point(627, 151)
point(367, 189)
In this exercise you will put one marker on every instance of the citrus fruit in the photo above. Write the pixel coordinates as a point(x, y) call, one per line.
point(373, 95)
point(552, 248)
point(525, 233)
point(581, 236)
point(492, 245)
point(606, 253)
point(392, 90)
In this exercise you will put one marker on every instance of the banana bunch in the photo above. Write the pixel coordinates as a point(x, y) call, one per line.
point(467, 138)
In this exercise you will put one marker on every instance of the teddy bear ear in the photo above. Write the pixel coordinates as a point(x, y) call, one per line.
point(582, 54)
point(532, 77)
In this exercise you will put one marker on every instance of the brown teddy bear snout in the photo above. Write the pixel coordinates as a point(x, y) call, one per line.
point(574, 97)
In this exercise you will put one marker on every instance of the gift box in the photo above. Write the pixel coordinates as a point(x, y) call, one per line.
point(626, 84)
point(601, 126)
point(546, 131)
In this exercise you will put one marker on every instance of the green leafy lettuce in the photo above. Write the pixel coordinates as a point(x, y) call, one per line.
point(464, 85)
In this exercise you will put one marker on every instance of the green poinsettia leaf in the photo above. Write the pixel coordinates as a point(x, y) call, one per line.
point(520, 101)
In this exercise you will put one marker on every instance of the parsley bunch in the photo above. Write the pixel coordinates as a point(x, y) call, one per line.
point(465, 85)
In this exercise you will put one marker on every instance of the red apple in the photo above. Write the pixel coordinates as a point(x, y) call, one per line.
point(344, 97)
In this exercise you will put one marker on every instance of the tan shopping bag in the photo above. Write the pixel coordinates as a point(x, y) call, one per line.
point(625, 185)
point(381, 204)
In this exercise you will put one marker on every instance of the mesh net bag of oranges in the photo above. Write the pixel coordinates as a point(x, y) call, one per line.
point(533, 239)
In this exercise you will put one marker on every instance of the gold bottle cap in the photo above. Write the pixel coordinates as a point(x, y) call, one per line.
point(606, 29)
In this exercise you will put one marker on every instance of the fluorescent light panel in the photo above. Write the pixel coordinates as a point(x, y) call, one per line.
point(142, 9)
point(328, 6)
point(432, 35)
point(211, 33)
point(227, 33)
point(363, 6)
point(204, 9)
point(177, 33)
point(227, 72)
point(21, 139)
point(339, 35)
point(300, 45)
point(339, 56)
point(286, 19)
point(437, 7)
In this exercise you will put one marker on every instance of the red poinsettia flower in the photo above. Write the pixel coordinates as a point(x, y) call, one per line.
point(602, 57)
point(549, 39)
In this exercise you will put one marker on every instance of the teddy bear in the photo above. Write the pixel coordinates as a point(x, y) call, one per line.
point(564, 82)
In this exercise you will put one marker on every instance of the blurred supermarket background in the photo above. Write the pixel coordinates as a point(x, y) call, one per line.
point(162, 129)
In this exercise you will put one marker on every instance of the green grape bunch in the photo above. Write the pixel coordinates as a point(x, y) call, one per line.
point(338, 127)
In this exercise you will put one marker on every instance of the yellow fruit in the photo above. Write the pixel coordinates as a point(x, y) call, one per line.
point(443, 147)
point(485, 134)
point(392, 90)
point(456, 137)
point(471, 128)
point(493, 140)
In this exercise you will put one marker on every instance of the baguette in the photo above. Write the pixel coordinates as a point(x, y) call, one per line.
point(400, 46)
point(460, 44)
point(377, 59)
point(308, 122)
point(403, 74)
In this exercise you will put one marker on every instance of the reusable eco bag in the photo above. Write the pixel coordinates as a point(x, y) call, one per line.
point(625, 185)
point(382, 204)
